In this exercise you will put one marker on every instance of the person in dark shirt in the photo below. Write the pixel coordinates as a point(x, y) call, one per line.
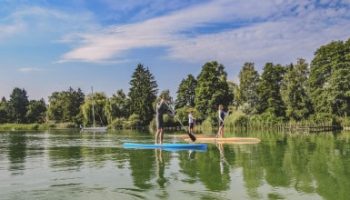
point(160, 110)
point(221, 115)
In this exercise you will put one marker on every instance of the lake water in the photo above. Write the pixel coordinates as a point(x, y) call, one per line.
point(71, 165)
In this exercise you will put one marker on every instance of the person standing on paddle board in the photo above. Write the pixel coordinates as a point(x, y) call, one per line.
point(160, 109)
point(222, 114)
point(190, 122)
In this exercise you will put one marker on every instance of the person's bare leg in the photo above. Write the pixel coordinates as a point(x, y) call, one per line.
point(161, 136)
point(219, 132)
point(222, 132)
point(156, 137)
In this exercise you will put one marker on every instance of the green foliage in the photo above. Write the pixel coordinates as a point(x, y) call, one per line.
point(4, 111)
point(237, 118)
point(117, 106)
point(269, 90)
point(95, 102)
point(117, 123)
point(320, 118)
point(266, 118)
point(18, 105)
point(208, 124)
point(22, 127)
point(142, 94)
point(134, 121)
point(186, 92)
point(182, 114)
point(65, 106)
point(212, 89)
point(248, 88)
point(234, 89)
point(36, 111)
point(330, 79)
point(294, 91)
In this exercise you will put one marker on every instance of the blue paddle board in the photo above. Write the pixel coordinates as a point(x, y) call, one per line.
point(166, 146)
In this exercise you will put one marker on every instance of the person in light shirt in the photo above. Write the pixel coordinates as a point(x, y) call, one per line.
point(191, 122)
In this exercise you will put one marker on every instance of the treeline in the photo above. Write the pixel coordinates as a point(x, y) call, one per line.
point(295, 92)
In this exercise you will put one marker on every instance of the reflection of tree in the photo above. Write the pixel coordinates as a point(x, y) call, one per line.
point(330, 168)
point(66, 153)
point(308, 163)
point(253, 172)
point(141, 164)
point(273, 162)
point(206, 167)
point(17, 151)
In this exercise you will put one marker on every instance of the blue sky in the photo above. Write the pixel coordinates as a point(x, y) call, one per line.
point(47, 46)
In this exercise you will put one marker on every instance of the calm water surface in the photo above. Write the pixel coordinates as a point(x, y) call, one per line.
point(71, 165)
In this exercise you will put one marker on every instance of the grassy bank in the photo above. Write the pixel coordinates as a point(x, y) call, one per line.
point(35, 126)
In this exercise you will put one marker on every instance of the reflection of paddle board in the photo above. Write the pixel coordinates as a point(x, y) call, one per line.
point(232, 140)
point(166, 146)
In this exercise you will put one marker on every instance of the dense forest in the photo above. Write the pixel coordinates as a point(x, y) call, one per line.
point(295, 92)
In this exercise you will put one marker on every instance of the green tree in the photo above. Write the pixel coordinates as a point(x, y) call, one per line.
point(269, 90)
point(142, 94)
point(248, 88)
point(64, 106)
point(119, 105)
point(212, 89)
point(18, 105)
point(186, 92)
point(234, 88)
point(294, 91)
point(36, 111)
point(98, 102)
point(4, 110)
point(330, 79)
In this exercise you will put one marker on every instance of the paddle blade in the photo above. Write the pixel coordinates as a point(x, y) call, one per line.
point(193, 138)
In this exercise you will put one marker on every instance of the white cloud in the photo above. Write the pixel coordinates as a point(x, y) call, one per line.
point(7, 30)
point(39, 20)
point(29, 69)
point(277, 33)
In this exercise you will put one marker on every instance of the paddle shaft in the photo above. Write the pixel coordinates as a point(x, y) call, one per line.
point(193, 138)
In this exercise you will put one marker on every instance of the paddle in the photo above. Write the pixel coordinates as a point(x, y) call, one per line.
point(193, 138)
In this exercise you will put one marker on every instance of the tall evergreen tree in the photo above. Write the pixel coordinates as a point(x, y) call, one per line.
point(295, 93)
point(248, 88)
point(330, 79)
point(269, 90)
point(212, 89)
point(142, 94)
point(186, 92)
point(18, 105)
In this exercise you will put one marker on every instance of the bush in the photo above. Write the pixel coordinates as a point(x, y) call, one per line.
point(133, 122)
point(237, 118)
point(325, 118)
point(266, 118)
point(117, 123)
point(207, 124)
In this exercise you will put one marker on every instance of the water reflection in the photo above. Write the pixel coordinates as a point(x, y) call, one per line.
point(17, 152)
point(281, 166)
